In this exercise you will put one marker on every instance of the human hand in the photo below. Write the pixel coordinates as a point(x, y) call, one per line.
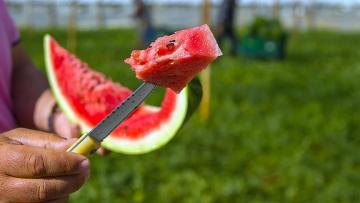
point(66, 129)
point(63, 127)
point(49, 117)
point(35, 168)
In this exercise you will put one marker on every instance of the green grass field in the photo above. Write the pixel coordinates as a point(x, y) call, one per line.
point(279, 132)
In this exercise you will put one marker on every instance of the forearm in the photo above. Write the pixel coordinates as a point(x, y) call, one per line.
point(28, 84)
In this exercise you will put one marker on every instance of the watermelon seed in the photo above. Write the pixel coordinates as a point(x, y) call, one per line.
point(172, 41)
point(170, 45)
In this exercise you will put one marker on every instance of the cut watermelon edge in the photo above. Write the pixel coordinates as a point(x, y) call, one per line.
point(153, 140)
point(157, 137)
point(65, 107)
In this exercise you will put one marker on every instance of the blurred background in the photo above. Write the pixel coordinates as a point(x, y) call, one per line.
point(283, 121)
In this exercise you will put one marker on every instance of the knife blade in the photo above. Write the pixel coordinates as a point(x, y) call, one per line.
point(90, 142)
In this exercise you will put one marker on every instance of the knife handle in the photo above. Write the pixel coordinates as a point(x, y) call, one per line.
point(85, 145)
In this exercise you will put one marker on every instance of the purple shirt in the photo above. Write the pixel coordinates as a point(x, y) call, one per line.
point(8, 37)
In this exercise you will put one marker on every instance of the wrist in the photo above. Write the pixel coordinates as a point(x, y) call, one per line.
point(52, 118)
point(45, 110)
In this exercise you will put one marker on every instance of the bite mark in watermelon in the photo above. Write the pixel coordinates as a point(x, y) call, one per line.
point(172, 61)
point(87, 96)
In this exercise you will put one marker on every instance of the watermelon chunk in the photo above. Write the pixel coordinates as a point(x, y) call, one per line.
point(87, 96)
point(172, 61)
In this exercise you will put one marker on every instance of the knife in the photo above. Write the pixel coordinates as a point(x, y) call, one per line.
point(90, 142)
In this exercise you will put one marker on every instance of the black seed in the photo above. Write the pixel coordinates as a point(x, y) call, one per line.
point(170, 45)
point(172, 41)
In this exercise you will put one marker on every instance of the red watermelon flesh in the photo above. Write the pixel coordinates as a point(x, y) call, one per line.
point(172, 61)
point(89, 96)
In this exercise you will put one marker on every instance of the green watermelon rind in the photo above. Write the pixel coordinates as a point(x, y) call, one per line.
point(65, 107)
point(187, 101)
point(157, 137)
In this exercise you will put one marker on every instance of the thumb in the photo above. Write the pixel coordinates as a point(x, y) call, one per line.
point(39, 139)
point(64, 128)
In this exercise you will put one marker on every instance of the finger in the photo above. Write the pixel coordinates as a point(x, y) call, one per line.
point(28, 162)
point(5, 140)
point(102, 151)
point(64, 128)
point(39, 139)
point(60, 200)
point(75, 131)
point(41, 190)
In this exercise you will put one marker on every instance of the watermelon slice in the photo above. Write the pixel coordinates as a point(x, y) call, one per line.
point(172, 61)
point(86, 97)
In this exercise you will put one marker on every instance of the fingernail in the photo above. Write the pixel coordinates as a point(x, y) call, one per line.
point(14, 142)
point(84, 168)
point(72, 140)
point(66, 143)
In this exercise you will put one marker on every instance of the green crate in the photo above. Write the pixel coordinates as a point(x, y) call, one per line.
point(258, 47)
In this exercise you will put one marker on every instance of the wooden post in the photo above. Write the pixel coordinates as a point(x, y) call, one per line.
point(296, 17)
point(205, 76)
point(72, 25)
point(28, 16)
point(310, 17)
point(100, 20)
point(52, 12)
point(276, 9)
point(254, 8)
